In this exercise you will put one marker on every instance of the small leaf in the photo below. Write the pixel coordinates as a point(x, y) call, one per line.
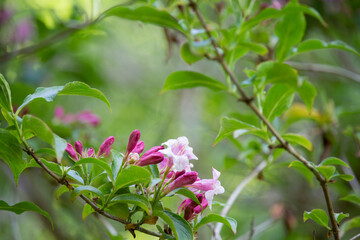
point(307, 93)
point(95, 161)
point(212, 217)
point(278, 99)
point(60, 146)
point(144, 14)
point(135, 199)
point(21, 207)
point(333, 161)
point(278, 73)
point(189, 79)
point(5, 95)
point(303, 170)
point(87, 210)
point(117, 159)
point(132, 175)
point(353, 198)
point(345, 177)
point(86, 189)
point(187, 55)
point(61, 190)
point(350, 224)
point(178, 225)
point(326, 171)
point(186, 193)
point(298, 139)
point(296, 7)
point(268, 13)
point(319, 216)
point(11, 153)
point(340, 216)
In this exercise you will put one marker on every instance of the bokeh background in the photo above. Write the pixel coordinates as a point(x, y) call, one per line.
point(129, 62)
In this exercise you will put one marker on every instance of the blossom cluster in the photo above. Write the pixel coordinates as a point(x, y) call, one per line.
point(85, 117)
point(175, 170)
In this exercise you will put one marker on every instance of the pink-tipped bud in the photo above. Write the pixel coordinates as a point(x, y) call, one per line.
point(153, 150)
point(133, 140)
point(182, 180)
point(154, 158)
point(106, 146)
point(79, 147)
point(91, 152)
point(70, 150)
point(139, 148)
point(191, 208)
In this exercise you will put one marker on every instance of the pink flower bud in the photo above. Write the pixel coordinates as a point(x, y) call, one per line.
point(91, 152)
point(59, 112)
point(182, 180)
point(191, 208)
point(139, 148)
point(106, 146)
point(70, 150)
point(79, 147)
point(133, 140)
point(153, 150)
point(154, 158)
point(88, 117)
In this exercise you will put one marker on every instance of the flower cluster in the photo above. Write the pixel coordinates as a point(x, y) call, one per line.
point(85, 117)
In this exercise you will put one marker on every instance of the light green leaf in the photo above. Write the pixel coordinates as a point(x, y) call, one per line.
point(326, 171)
point(212, 217)
point(278, 99)
point(86, 189)
point(187, 55)
point(186, 193)
point(5, 95)
point(295, 7)
point(117, 159)
point(189, 79)
point(60, 146)
point(39, 128)
point(303, 170)
point(21, 207)
point(345, 177)
point(353, 198)
point(11, 153)
point(340, 216)
point(268, 13)
point(132, 175)
point(87, 210)
point(135, 199)
point(178, 225)
point(307, 93)
point(60, 191)
point(278, 73)
point(95, 161)
point(319, 216)
point(298, 139)
point(144, 14)
point(350, 224)
point(333, 161)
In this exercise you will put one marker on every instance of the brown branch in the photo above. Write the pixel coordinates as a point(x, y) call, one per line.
point(247, 100)
point(63, 181)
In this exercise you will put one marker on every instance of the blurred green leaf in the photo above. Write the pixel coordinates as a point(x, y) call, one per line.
point(178, 225)
point(319, 216)
point(132, 175)
point(212, 217)
point(5, 95)
point(60, 191)
point(278, 73)
point(350, 224)
point(298, 139)
point(307, 93)
point(278, 99)
point(326, 171)
point(296, 7)
point(189, 79)
point(144, 14)
point(303, 170)
point(268, 13)
point(333, 161)
point(86, 189)
point(135, 199)
point(11, 153)
point(95, 161)
point(87, 210)
point(21, 207)
point(345, 177)
point(340, 216)
point(353, 198)
point(187, 55)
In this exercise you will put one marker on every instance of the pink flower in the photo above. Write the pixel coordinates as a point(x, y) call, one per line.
point(191, 208)
point(70, 150)
point(153, 158)
point(85, 117)
point(210, 186)
point(182, 179)
point(179, 152)
point(106, 146)
point(84, 153)
point(133, 140)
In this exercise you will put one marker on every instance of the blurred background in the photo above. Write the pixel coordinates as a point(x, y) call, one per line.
point(44, 43)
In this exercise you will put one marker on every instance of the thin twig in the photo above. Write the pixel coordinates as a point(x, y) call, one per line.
point(355, 237)
point(316, 67)
point(258, 229)
point(63, 181)
point(252, 230)
point(250, 103)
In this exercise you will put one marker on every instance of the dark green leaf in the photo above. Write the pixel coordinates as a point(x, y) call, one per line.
point(132, 175)
point(333, 161)
point(135, 199)
point(21, 207)
point(5, 95)
point(340, 216)
point(298, 139)
point(212, 217)
point(187, 55)
point(319, 216)
point(11, 153)
point(278, 99)
point(189, 79)
point(95, 161)
point(86, 189)
point(145, 14)
point(178, 225)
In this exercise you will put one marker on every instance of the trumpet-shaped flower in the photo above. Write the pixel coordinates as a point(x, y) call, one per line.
point(191, 208)
point(179, 151)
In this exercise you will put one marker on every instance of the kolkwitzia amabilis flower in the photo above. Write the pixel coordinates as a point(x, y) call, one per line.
point(210, 186)
point(179, 152)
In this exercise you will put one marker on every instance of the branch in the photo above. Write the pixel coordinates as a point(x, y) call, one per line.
point(355, 237)
point(249, 101)
point(235, 195)
point(63, 181)
point(316, 67)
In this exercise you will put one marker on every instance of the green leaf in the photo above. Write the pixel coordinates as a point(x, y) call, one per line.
point(278, 99)
point(71, 88)
point(350, 224)
point(212, 217)
point(60, 191)
point(132, 175)
point(340, 216)
point(11, 153)
point(187, 55)
point(333, 161)
point(189, 79)
point(303, 170)
point(290, 30)
point(87, 210)
point(326, 171)
point(298, 139)
point(86, 189)
point(296, 7)
point(5, 95)
point(21, 207)
point(316, 44)
point(278, 73)
point(353, 198)
point(135, 199)
point(254, 47)
point(268, 13)
point(319, 216)
point(60, 146)
point(95, 161)
point(39, 128)
point(144, 14)
point(307, 93)
point(228, 126)
point(187, 193)
point(178, 225)
point(345, 177)
point(117, 160)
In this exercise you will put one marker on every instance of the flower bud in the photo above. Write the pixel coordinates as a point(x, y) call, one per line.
point(154, 158)
point(78, 147)
point(184, 179)
point(133, 140)
point(139, 148)
point(91, 152)
point(106, 145)
point(70, 150)
point(153, 150)
point(191, 208)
